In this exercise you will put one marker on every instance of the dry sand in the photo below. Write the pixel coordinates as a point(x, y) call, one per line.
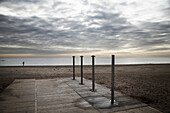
point(147, 83)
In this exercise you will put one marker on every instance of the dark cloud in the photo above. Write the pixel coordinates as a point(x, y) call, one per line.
point(7, 50)
point(160, 49)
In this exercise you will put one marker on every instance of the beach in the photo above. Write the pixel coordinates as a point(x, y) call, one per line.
point(149, 83)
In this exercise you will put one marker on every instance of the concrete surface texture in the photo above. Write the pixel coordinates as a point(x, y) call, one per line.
point(64, 95)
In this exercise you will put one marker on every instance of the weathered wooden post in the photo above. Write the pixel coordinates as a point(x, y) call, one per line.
point(112, 79)
point(73, 67)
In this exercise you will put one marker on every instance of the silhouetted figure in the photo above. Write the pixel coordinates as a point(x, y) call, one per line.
point(23, 63)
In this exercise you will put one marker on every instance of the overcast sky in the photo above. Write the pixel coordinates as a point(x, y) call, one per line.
point(85, 27)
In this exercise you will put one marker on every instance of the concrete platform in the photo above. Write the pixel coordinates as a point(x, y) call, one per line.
point(64, 95)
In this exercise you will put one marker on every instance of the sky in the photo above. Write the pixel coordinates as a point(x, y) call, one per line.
point(126, 28)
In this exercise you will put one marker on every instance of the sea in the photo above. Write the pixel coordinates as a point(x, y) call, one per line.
point(59, 61)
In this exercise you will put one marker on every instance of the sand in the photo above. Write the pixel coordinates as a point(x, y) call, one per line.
point(147, 83)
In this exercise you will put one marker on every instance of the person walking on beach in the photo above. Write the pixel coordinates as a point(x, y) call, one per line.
point(23, 63)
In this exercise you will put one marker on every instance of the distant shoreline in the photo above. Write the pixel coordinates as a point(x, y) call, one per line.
point(89, 65)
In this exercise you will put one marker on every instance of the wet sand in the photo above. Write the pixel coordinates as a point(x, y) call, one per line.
point(147, 83)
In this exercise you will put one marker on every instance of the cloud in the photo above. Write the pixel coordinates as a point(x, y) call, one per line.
point(82, 26)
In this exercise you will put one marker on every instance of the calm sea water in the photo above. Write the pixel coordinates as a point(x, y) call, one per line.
point(87, 61)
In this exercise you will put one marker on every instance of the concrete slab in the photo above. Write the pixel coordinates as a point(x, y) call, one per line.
point(59, 97)
point(70, 110)
point(18, 97)
point(100, 99)
point(65, 95)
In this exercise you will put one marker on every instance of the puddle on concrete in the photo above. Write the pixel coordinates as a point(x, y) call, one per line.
point(80, 103)
point(100, 102)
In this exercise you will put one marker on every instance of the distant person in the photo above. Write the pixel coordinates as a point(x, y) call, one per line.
point(23, 63)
